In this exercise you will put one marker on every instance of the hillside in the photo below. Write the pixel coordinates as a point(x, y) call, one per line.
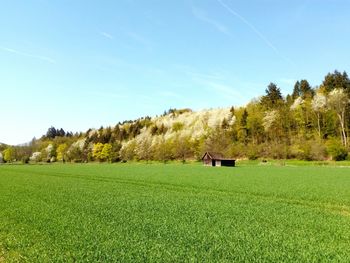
point(311, 123)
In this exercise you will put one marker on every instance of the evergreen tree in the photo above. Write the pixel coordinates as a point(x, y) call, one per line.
point(51, 133)
point(273, 97)
point(232, 110)
point(243, 130)
point(296, 91)
point(61, 133)
point(306, 90)
point(337, 80)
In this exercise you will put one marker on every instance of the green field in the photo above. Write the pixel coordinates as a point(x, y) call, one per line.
point(174, 212)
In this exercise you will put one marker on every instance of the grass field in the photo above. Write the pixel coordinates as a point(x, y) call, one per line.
point(173, 212)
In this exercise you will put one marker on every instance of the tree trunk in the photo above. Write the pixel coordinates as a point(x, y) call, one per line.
point(319, 125)
point(343, 133)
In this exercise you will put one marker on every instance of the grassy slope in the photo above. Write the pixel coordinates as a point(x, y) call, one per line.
point(174, 212)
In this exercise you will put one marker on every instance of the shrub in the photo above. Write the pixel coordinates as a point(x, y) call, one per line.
point(25, 159)
point(36, 157)
point(308, 150)
point(348, 157)
point(177, 126)
point(336, 150)
point(253, 152)
point(277, 150)
point(313, 151)
point(318, 151)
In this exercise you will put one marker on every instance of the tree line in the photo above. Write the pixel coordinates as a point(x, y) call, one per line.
point(310, 123)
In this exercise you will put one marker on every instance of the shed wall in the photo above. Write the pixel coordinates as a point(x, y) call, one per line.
point(228, 163)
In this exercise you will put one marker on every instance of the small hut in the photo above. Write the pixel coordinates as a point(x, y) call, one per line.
point(217, 159)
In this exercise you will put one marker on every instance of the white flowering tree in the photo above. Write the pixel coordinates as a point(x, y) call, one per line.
point(297, 103)
point(51, 153)
point(75, 151)
point(128, 150)
point(298, 109)
point(143, 146)
point(318, 105)
point(338, 101)
point(36, 157)
point(269, 119)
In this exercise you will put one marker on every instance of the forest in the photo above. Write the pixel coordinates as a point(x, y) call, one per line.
point(311, 123)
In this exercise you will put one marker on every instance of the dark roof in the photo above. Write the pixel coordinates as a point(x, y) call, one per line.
point(216, 156)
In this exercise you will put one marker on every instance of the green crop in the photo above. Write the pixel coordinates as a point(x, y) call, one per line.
point(174, 213)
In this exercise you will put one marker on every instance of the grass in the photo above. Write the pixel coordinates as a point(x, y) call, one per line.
point(174, 213)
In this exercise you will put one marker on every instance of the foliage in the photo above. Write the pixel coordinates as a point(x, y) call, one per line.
point(52, 133)
point(319, 102)
point(9, 154)
point(97, 151)
point(62, 151)
point(336, 150)
point(128, 150)
point(36, 157)
point(338, 101)
point(273, 97)
point(336, 80)
point(106, 152)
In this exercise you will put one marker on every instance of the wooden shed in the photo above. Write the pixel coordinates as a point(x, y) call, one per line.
point(217, 159)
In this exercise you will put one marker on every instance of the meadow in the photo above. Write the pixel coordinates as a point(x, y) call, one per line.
point(174, 213)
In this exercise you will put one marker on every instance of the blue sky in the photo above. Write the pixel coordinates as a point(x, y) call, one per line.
point(83, 63)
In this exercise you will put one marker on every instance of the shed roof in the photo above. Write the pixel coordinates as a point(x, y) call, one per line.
point(216, 156)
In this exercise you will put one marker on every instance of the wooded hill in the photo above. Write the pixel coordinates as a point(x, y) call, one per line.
point(311, 123)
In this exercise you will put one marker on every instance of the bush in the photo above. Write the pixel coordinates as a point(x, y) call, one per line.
point(308, 150)
point(336, 150)
point(253, 152)
point(278, 150)
point(318, 151)
point(25, 159)
point(348, 157)
point(313, 151)
point(237, 150)
point(36, 157)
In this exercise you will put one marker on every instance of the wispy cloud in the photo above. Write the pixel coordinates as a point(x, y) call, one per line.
point(224, 84)
point(201, 15)
point(223, 89)
point(255, 30)
point(24, 54)
point(106, 35)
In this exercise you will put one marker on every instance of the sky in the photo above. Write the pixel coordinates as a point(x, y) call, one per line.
point(80, 64)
